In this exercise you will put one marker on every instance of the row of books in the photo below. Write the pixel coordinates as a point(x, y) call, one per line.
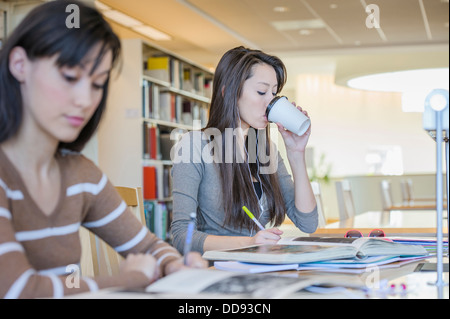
point(161, 104)
point(158, 142)
point(157, 217)
point(179, 75)
point(157, 182)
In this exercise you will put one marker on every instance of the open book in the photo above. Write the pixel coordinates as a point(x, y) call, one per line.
point(306, 251)
point(223, 284)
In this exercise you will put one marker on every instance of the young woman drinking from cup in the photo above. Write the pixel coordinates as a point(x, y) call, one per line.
point(232, 162)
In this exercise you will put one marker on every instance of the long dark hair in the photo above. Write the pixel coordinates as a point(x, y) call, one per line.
point(44, 33)
point(234, 68)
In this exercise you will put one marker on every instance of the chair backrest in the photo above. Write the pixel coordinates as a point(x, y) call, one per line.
point(345, 199)
point(386, 194)
point(98, 258)
point(318, 196)
point(406, 187)
point(410, 188)
point(133, 197)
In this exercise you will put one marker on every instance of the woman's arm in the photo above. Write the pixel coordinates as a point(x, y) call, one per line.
point(263, 237)
point(295, 149)
point(304, 196)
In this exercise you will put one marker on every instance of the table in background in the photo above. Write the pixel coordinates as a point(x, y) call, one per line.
point(393, 223)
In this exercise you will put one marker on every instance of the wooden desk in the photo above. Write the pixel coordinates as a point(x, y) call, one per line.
point(416, 283)
point(394, 223)
point(415, 206)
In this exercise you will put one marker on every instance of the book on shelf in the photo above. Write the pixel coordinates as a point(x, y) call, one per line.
point(175, 73)
point(149, 182)
point(157, 181)
point(307, 252)
point(157, 217)
point(187, 83)
point(165, 144)
point(146, 96)
point(151, 142)
point(179, 75)
point(186, 112)
point(158, 67)
point(167, 184)
point(150, 100)
point(208, 87)
point(167, 106)
point(158, 141)
point(194, 111)
point(161, 104)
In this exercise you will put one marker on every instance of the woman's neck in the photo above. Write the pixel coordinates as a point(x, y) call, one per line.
point(30, 153)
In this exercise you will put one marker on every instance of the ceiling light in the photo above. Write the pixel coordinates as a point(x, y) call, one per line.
point(438, 99)
point(152, 33)
point(101, 6)
point(132, 23)
point(122, 18)
point(281, 9)
point(305, 32)
point(413, 84)
point(402, 81)
point(298, 24)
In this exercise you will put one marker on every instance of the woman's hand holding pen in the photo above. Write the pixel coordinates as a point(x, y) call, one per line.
point(266, 237)
point(193, 260)
point(293, 142)
point(144, 263)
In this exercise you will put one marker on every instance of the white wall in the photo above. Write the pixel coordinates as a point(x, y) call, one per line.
point(120, 131)
point(347, 123)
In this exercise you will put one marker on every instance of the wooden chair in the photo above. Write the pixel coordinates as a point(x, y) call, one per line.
point(408, 196)
point(318, 196)
point(345, 199)
point(388, 203)
point(98, 258)
point(134, 198)
point(406, 191)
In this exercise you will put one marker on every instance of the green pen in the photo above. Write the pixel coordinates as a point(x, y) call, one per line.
point(249, 213)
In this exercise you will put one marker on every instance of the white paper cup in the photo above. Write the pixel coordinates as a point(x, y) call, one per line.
point(280, 110)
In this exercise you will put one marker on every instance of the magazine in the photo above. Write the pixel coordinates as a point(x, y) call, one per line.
point(305, 253)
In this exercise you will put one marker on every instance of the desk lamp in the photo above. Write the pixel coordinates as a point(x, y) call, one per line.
point(436, 119)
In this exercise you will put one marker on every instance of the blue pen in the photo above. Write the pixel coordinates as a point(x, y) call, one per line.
point(190, 232)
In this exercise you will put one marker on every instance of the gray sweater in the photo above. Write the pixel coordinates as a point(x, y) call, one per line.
point(197, 188)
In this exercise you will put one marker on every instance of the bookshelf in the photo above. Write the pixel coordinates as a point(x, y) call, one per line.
point(156, 97)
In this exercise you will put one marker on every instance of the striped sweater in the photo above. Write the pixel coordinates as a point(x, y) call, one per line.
point(36, 249)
